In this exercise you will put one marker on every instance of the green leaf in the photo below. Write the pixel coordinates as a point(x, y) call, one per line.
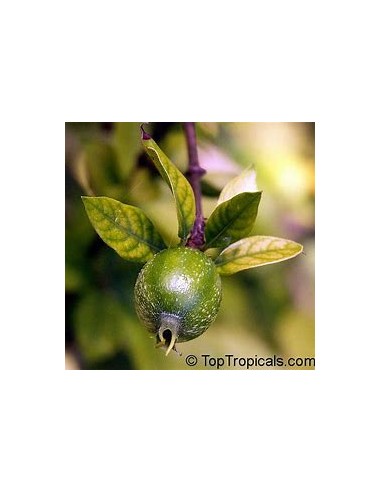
point(232, 220)
point(245, 182)
point(124, 228)
point(179, 185)
point(255, 251)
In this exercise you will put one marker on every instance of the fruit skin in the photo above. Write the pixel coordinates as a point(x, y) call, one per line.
point(178, 290)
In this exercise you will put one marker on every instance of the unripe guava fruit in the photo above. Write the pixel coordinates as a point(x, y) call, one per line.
point(178, 295)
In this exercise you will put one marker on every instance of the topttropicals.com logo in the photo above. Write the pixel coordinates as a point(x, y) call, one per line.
point(231, 361)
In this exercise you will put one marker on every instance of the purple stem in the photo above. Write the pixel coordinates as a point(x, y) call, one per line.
point(194, 174)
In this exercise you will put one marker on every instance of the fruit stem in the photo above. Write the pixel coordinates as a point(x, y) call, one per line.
point(195, 172)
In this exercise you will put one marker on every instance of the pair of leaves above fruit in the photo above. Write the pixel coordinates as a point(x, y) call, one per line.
point(127, 229)
point(132, 235)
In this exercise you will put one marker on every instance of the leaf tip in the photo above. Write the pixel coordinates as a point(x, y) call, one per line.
point(86, 199)
point(144, 134)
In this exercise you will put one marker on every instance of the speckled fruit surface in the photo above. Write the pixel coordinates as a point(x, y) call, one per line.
point(179, 287)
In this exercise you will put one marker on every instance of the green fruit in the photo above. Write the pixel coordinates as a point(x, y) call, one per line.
point(177, 295)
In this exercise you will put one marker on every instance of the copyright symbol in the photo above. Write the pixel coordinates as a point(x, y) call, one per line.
point(191, 360)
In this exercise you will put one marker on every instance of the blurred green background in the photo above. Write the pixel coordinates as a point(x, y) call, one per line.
point(264, 311)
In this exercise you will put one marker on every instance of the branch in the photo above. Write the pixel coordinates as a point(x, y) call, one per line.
point(194, 174)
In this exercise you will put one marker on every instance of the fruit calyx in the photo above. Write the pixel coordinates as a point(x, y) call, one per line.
point(168, 332)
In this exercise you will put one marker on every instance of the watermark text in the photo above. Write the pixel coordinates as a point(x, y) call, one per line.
point(231, 361)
